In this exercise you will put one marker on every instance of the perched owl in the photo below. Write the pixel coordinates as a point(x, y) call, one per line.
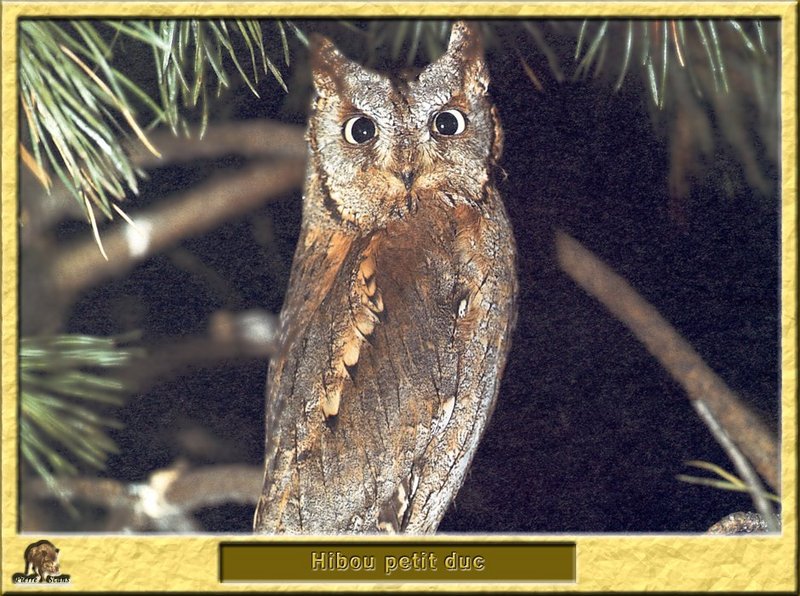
point(401, 302)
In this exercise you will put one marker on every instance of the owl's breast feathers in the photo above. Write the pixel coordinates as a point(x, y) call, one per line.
point(393, 349)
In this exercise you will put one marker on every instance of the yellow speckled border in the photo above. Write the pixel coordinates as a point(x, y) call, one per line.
point(630, 563)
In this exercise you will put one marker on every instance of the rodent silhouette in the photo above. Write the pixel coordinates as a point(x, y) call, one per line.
point(41, 558)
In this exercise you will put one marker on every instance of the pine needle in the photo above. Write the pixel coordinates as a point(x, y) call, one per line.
point(718, 52)
point(94, 228)
point(124, 215)
point(677, 44)
point(728, 481)
point(664, 63)
point(530, 74)
point(122, 108)
point(35, 168)
point(627, 59)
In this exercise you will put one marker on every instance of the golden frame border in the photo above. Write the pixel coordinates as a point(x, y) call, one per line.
point(605, 562)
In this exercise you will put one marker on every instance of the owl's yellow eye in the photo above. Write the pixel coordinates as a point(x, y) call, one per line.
point(449, 122)
point(358, 130)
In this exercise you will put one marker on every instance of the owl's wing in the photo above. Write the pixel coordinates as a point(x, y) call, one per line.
point(316, 265)
point(483, 310)
point(387, 378)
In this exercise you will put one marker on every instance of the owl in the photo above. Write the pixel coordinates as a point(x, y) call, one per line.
point(401, 301)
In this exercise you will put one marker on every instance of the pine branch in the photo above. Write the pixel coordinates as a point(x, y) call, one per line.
point(405, 42)
point(702, 50)
point(72, 114)
point(254, 139)
point(76, 102)
point(66, 382)
point(726, 480)
point(713, 86)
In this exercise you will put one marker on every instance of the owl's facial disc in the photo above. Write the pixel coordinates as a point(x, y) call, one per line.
point(382, 146)
point(382, 156)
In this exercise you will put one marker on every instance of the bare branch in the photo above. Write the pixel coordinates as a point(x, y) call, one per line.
point(674, 353)
point(94, 491)
point(249, 138)
point(165, 503)
point(216, 485)
point(197, 210)
point(754, 486)
point(233, 336)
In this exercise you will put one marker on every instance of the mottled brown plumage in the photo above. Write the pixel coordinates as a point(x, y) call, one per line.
point(400, 306)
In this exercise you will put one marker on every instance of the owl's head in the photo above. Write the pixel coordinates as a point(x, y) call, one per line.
point(382, 145)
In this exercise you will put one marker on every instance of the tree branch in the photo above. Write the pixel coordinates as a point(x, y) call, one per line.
point(232, 336)
point(674, 353)
point(195, 211)
point(166, 502)
point(743, 467)
point(249, 138)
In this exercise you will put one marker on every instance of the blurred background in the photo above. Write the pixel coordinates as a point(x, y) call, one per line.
point(161, 176)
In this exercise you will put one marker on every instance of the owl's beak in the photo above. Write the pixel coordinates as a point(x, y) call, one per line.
point(408, 176)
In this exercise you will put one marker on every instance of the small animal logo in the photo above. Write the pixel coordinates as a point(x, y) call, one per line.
point(41, 565)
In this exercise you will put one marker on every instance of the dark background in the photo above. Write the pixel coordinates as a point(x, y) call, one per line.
point(589, 431)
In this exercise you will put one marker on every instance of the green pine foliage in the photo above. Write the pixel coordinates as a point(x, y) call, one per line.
point(68, 384)
point(697, 47)
point(78, 105)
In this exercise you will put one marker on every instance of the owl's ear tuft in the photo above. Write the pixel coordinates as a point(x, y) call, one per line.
point(326, 64)
point(463, 34)
point(465, 50)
